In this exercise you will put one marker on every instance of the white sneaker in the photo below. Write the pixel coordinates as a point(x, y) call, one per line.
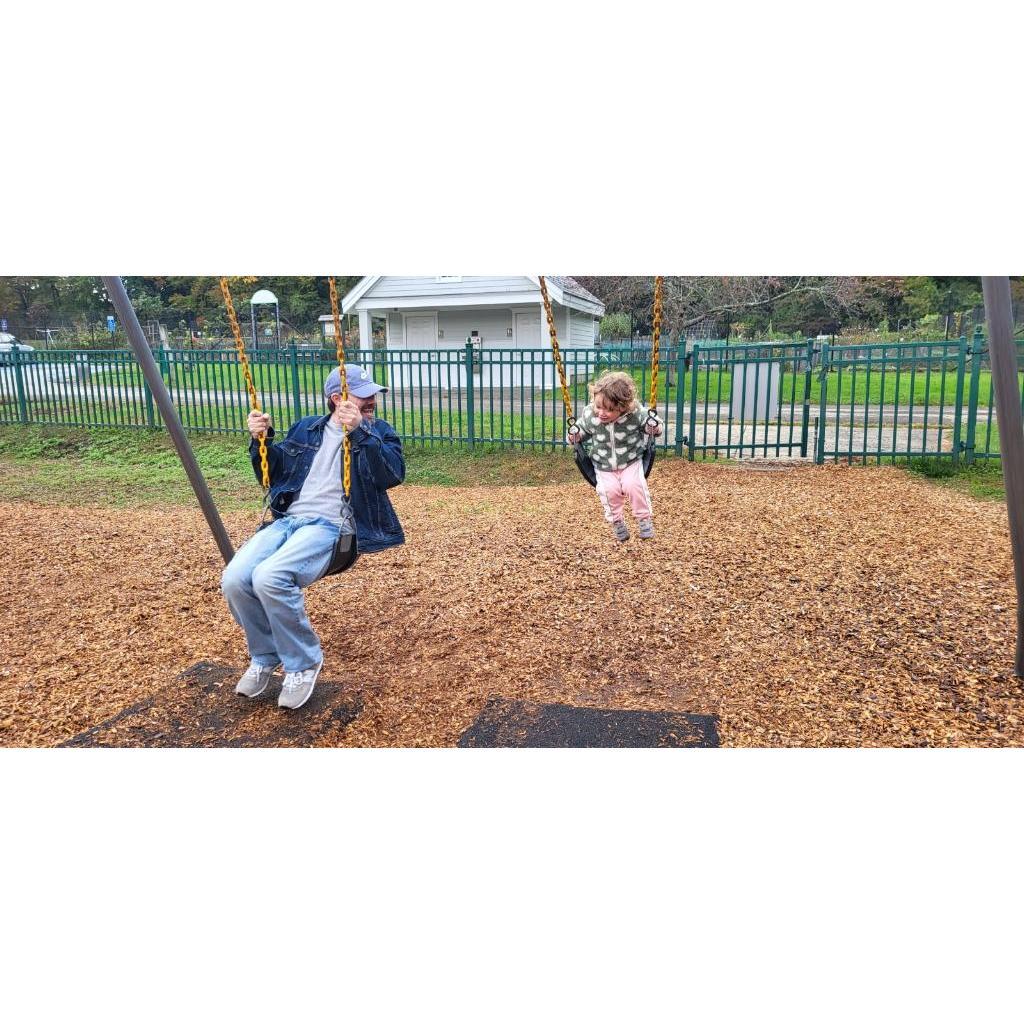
point(256, 679)
point(298, 687)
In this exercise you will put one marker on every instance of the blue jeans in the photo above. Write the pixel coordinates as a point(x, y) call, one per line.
point(263, 587)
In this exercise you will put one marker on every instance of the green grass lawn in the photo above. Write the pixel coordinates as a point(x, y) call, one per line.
point(895, 386)
point(286, 393)
point(982, 479)
point(542, 427)
point(54, 465)
point(847, 387)
point(222, 375)
point(900, 386)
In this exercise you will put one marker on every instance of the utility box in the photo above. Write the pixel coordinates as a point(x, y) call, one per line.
point(755, 391)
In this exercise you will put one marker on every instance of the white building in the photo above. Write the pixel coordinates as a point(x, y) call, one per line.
point(428, 320)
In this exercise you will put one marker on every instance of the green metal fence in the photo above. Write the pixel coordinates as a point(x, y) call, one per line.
point(766, 400)
point(458, 397)
point(980, 432)
point(750, 400)
point(891, 401)
point(931, 399)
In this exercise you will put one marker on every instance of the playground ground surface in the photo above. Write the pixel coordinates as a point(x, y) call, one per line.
point(791, 606)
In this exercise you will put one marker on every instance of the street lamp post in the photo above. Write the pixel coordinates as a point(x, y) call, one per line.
point(265, 297)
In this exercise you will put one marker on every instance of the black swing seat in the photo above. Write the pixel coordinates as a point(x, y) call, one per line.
point(585, 464)
point(344, 555)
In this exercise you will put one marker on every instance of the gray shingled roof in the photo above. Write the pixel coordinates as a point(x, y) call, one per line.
point(573, 287)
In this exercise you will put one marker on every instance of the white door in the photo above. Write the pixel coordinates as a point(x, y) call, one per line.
point(421, 340)
point(420, 332)
point(528, 330)
point(528, 335)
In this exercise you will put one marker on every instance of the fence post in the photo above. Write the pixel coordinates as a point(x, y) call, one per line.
point(470, 425)
point(19, 382)
point(150, 413)
point(293, 354)
point(680, 379)
point(819, 454)
point(165, 368)
point(806, 413)
point(959, 406)
point(694, 362)
point(972, 397)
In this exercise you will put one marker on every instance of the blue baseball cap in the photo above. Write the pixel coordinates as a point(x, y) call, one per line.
point(360, 382)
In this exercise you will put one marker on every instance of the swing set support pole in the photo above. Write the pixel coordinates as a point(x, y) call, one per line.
point(137, 340)
point(1003, 355)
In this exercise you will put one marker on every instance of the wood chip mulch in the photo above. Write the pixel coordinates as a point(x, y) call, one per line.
point(816, 606)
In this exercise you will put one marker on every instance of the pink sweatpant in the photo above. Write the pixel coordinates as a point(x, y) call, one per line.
point(616, 485)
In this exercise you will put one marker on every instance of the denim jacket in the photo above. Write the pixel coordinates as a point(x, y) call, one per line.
point(377, 464)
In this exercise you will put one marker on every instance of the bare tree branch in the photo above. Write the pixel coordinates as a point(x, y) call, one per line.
point(692, 300)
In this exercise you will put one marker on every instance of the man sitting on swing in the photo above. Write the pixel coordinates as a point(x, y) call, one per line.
point(264, 581)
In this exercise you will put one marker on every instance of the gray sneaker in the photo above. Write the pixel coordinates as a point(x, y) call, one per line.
point(298, 687)
point(255, 680)
point(646, 529)
point(621, 531)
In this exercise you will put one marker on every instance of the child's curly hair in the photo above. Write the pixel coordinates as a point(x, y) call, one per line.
point(617, 389)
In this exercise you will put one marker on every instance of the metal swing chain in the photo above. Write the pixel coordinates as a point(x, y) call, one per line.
point(655, 346)
point(243, 359)
point(340, 344)
point(570, 419)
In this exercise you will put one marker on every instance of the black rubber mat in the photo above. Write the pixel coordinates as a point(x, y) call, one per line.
point(201, 709)
point(516, 723)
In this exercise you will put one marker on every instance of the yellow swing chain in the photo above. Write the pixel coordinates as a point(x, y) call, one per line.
point(655, 349)
point(655, 345)
point(570, 419)
point(243, 359)
point(340, 343)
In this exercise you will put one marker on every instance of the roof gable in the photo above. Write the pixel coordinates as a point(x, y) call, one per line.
point(572, 287)
point(383, 291)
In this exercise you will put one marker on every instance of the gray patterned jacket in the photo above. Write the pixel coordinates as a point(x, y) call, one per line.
point(617, 444)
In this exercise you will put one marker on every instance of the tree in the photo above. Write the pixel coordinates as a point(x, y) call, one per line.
point(615, 325)
point(689, 301)
point(301, 299)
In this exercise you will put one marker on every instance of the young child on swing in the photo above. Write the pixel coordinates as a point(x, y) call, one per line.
point(618, 426)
